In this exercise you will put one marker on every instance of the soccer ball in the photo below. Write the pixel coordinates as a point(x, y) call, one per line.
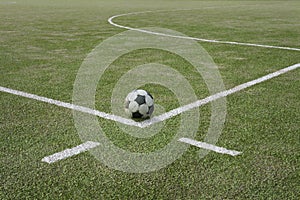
point(139, 104)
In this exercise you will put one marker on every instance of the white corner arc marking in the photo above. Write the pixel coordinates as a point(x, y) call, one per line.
point(110, 20)
point(210, 147)
point(70, 152)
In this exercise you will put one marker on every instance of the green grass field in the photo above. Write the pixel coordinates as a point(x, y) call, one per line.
point(42, 46)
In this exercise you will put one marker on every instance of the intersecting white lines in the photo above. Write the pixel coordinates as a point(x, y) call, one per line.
point(155, 119)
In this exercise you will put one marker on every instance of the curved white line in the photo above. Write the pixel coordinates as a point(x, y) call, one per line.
point(110, 20)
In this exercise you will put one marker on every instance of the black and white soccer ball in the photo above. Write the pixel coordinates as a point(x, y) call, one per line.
point(139, 104)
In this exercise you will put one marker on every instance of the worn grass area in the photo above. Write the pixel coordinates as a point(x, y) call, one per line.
point(42, 45)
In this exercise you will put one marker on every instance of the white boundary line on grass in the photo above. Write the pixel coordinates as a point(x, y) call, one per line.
point(70, 152)
point(155, 119)
point(88, 145)
point(110, 20)
point(211, 147)
point(216, 96)
point(8, 3)
point(71, 106)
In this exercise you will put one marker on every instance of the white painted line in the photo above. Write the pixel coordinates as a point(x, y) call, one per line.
point(72, 106)
point(13, 2)
point(155, 119)
point(214, 97)
point(110, 20)
point(70, 152)
point(90, 145)
point(211, 147)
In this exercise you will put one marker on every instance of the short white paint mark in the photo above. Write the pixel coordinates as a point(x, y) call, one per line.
point(161, 117)
point(70, 152)
point(211, 147)
point(13, 2)
point(89, 145)
point(110, 20)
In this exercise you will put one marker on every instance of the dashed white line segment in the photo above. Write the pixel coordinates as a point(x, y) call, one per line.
point(211, 147)
point(90, 145)
point(70, 152)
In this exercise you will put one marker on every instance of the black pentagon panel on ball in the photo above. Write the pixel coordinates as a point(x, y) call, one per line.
point(140, 99)
point(137, 115)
